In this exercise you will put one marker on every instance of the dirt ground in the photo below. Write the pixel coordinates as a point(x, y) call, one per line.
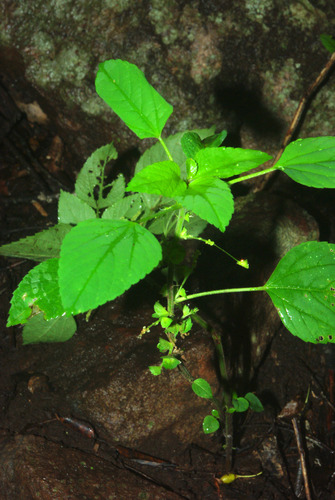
point(294, 380)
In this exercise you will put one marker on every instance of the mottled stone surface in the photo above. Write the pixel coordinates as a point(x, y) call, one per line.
point(240, 65)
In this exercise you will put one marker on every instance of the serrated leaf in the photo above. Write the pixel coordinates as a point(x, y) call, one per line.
point(328, 42)
point(240, 404)
point(101, 259)
point(202, 388)
point(310, 161)
point(210, 424)
point(215, 140)
point(164, 345)
point(72, 210)
point(124, 88)
point(210, 199)
point(38, 291)
point(37, 329)
point(129, 207)
point(162, 178)
point(227, 162)
point(89, 177)
point(156, 154)
point(41, 246)
point(191, 144)
point(115, 193)
point(254, 402)
point(302, 288)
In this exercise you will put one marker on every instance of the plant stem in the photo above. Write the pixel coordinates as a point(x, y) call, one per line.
point(227, 398)
point(218, 292)
point(251, 176)
point(165, 148)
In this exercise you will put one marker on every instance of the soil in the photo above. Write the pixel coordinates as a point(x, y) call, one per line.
point(294, 380)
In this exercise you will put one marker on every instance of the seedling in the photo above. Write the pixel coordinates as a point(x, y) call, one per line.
point(110, 236)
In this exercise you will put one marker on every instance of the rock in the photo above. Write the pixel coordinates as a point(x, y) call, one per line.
point(243, 68)
point(31, 467)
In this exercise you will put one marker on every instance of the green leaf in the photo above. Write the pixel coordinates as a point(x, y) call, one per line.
point(210, 424)
point(41, 246)
point(169, 363)
point(202, 388)
point(302, 288)
point(191, 144)
point(38, 291)
point(156, 154)
point(328, 42)
point(37, 329)
point(210, 199)
point(115, 194)
point(254, 402)
point(215, 413)
point(124, 88)
point(240, 404)
point(89, 179)
point(215, 141)
point(162, 178)
point(310, 162)
point(164, 345)
point(159, 310)
point(155, 370)
point(100, 259)
point(227, 162)
point(129, 207)
point(72, 209)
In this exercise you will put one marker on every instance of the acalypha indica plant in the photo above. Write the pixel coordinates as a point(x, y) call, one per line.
point(109, 236)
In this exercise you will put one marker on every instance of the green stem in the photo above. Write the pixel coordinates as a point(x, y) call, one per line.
point(218, 292)
point(165, 148)
point(251, 176)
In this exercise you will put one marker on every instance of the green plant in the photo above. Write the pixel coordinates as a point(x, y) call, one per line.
point(110, 236)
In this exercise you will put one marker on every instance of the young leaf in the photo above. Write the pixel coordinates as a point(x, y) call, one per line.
point(100, 259)
point(227, 162)
point(214, 141)
point(210, 424)
point(155, 370)
point(328, 42)
point(191, 144)
point(254, 402)
point(41, 246)
point(169, 363)
point(72, 209)
point(164, 345)
point(37, 329)
point(162, 178)
point(38, 291)
point(310, 162)
point(302, 288)
point(202, 388)
point(210, 199)
point(240, 404)
point(90, 176)
point(124, 88)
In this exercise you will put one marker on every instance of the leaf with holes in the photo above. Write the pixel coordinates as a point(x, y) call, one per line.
point(38, 291)
point(302, 288)
point(100, 259)
point(124, 88)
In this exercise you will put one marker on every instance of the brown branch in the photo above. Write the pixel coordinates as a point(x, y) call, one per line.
point(302, 456)
point(298, 114)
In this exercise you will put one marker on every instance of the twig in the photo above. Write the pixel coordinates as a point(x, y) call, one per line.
point(298, 114)
point(301, 451)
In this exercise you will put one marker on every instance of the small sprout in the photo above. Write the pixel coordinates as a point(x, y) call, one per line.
point(229, 478)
